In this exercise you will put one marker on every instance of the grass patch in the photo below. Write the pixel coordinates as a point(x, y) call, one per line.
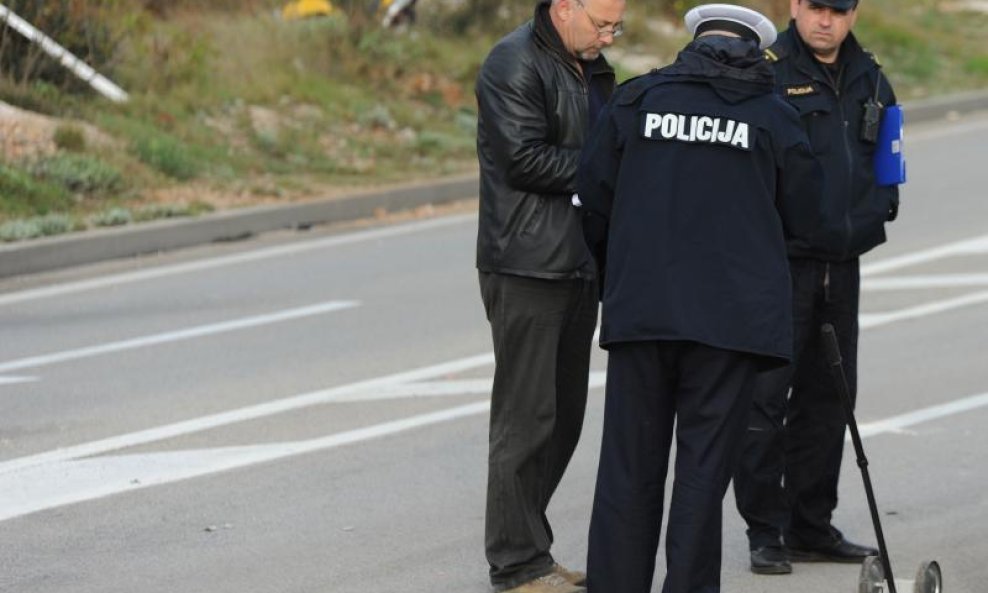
point(978, 66)
point(119, 215)
point(79, 173)
point(37, 226)
point(21, 195)
point(925, 50)
point(166, 154)
point(69, 137)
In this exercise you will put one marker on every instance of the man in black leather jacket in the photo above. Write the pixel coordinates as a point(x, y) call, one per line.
point(699, 173)
point(538, 91)
point(798, 441)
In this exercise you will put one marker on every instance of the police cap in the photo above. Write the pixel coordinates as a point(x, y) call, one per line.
point(739, 20)
point(837, 4)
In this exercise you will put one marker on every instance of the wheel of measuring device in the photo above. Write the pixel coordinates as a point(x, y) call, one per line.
point(928, 578)
point(872, 577)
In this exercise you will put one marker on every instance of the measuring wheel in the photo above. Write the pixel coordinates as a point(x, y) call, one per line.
point(928, 578)
point(872, 578)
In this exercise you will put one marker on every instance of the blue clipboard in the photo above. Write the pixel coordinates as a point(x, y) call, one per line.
point(890, 163)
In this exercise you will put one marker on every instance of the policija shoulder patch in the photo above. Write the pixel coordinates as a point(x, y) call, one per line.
point(799, 90)
point(696, 129)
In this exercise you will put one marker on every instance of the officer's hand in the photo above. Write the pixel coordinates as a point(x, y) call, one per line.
point(893, 211)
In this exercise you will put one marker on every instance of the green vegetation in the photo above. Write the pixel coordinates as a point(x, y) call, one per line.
point(926, 50)
point(78, 173)
point(69, 138)
point(232, 105)
point(23, 195)
point(166, 154)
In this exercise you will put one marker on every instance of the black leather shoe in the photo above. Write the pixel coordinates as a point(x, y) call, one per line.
point(840, 550)
point(770, 560)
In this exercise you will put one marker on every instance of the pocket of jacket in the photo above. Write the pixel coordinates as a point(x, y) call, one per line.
point(819, 123)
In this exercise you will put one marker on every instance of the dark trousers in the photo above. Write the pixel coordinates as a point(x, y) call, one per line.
point(786, 483)
point(706, 392)
point(542, 332)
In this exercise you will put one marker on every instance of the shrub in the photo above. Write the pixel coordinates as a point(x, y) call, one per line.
point(113, 217)
point(22, 195)
point(18, 230)
point(166, 154)
point(68, 137)
point(38, 226)
point(55, 224)
point(79, 173)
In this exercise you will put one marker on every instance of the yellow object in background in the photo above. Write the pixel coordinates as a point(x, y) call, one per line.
point(301, 9)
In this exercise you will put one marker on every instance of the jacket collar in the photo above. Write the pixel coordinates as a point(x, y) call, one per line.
point(547, 37)
point(734, 68)
point(852, 57)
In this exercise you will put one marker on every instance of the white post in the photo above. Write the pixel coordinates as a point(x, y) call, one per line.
point(103, 85)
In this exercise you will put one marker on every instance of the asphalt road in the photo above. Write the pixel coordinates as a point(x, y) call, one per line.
point(307, 412)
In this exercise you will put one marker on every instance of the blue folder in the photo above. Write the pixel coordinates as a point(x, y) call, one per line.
point(890, 164)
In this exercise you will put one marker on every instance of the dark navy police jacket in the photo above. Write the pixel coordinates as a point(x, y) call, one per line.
point(692, 181)
point(854, 209)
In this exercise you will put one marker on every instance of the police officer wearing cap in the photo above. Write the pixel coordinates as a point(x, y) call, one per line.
point(786, 485)
point(692, 181)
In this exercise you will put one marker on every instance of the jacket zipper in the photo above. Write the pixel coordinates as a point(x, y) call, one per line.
point(578, 71)
point(849, 160)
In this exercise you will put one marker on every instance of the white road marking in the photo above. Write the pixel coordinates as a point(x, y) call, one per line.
point(973, 246)
point(239, 258)
point(241, 414)
point(869, 320)
point(10, 380)
point(41, 487)
point(441, 388)
point(898, 423)
point(174, 336)
point(422, 389)
point(405, 384)
point(926, 281)
point(55, 484)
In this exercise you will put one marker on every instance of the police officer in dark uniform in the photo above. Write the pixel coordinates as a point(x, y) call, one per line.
point(839, 91)
point(692, 181)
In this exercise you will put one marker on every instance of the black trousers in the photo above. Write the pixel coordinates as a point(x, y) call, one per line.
point(542, 331)
point(786, 483)
point(706, 392)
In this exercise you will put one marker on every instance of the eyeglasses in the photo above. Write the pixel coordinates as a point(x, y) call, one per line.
point(615, 30)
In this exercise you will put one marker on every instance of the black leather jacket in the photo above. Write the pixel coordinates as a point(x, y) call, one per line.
point(854, 208)
point(533, 117)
